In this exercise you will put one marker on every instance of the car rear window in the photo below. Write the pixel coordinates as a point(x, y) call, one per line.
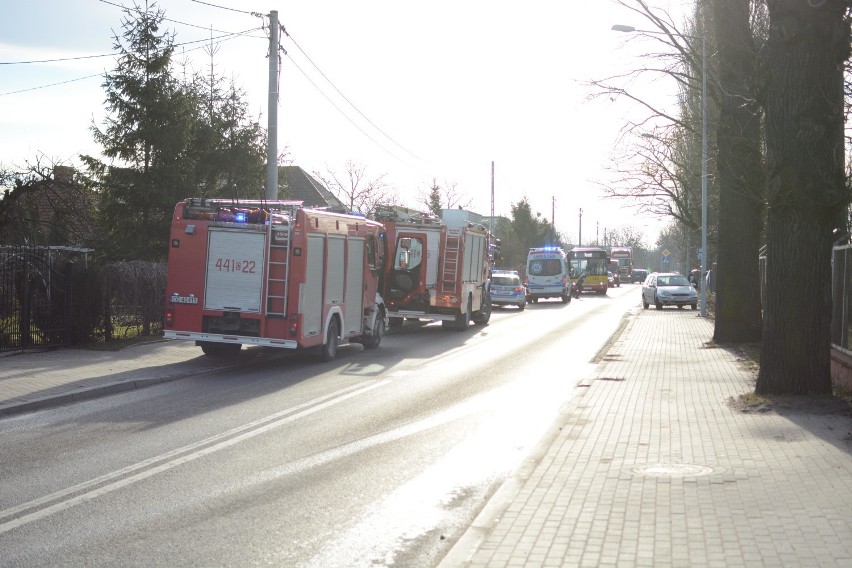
point(506, 281)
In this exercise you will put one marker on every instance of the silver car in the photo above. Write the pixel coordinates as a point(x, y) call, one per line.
point(668, 289)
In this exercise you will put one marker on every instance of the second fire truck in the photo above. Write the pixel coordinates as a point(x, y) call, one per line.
point(275, 274)
point(435, 270)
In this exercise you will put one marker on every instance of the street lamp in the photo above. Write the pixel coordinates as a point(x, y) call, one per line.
point(631, 29)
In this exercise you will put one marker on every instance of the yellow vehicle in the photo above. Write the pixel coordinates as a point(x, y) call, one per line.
point(589, 267)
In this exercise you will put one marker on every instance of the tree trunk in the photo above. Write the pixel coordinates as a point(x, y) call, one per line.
point(808, 43)
point(741, 178)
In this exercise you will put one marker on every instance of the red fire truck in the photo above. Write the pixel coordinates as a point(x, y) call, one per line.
point(275, 274)
point(434, 270)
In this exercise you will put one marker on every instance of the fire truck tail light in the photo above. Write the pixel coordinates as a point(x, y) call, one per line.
point(294, 327)
point(450, 299)
point(170, 317)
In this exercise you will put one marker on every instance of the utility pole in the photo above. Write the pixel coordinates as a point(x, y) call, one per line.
point(491, 224)
point(553, 217)
point(580, 236)
point(272, 129)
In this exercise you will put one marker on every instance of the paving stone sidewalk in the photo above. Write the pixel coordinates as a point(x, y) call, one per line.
point(33, 381)
point(650, 465)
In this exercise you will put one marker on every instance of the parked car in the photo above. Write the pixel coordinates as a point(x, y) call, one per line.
point(507, 289)
point(668, 289)
point(638, 275)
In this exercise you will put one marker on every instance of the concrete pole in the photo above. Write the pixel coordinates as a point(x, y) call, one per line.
point(272, 129)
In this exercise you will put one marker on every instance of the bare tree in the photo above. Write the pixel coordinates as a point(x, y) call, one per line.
point(439, 197)
point(42, 204)
point(660, 170)
point(357, 191)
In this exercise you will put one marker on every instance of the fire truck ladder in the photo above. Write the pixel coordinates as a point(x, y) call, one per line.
point(451, 261)
point(276, 286)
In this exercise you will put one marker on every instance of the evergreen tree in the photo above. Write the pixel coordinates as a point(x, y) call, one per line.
point(166, 139)
point(147, 135)
point(530, 230)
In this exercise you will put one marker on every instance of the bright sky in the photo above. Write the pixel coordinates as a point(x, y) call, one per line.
point(446, 88)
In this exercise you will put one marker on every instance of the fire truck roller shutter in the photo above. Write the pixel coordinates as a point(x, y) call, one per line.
point(335, 269)
point(353, 311)
point(234, 279)
point(310, 304)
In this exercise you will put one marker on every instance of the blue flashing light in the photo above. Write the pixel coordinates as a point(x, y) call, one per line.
point(240, 217)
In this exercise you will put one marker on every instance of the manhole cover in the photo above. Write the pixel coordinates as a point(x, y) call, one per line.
point(673, 470)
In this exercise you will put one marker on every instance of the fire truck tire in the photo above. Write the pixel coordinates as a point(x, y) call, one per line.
point(483, 315)
point(461, 321)
point(374, 340)
point(329, 348)
point(395, 322)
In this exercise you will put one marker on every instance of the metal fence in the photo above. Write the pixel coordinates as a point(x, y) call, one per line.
point(35, 297)
point(841, 295)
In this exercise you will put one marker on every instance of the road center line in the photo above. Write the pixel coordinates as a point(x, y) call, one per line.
point(88, 490)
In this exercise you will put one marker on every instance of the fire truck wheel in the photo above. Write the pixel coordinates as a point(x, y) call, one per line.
point(463, 320)
point(482, 316)
point(373, 341)
point(329, 349)
point(395, 322)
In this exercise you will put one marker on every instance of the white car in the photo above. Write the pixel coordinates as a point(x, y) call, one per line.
point(668, 289)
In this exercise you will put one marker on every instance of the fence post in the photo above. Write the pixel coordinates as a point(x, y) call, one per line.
point(69, 297)
point(26, 301)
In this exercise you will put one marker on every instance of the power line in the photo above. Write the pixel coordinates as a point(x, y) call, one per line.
point(50, 85)
point(346, 98)
point(224, 8)
point(56, 59)
point(221, 38)
point(374, 141)
point(170, 19)
point(227, 36)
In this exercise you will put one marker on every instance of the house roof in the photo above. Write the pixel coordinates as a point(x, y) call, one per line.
point(298, 184)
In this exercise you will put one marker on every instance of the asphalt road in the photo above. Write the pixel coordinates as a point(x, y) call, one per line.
point(379, 458)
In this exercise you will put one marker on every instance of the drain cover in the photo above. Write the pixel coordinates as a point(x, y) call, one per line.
point(673, 470)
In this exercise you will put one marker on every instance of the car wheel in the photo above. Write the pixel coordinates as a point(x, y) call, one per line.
point(680, 306)
point(657, 303)
point(522, 306)
point(694, 306)
point(644, 304)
